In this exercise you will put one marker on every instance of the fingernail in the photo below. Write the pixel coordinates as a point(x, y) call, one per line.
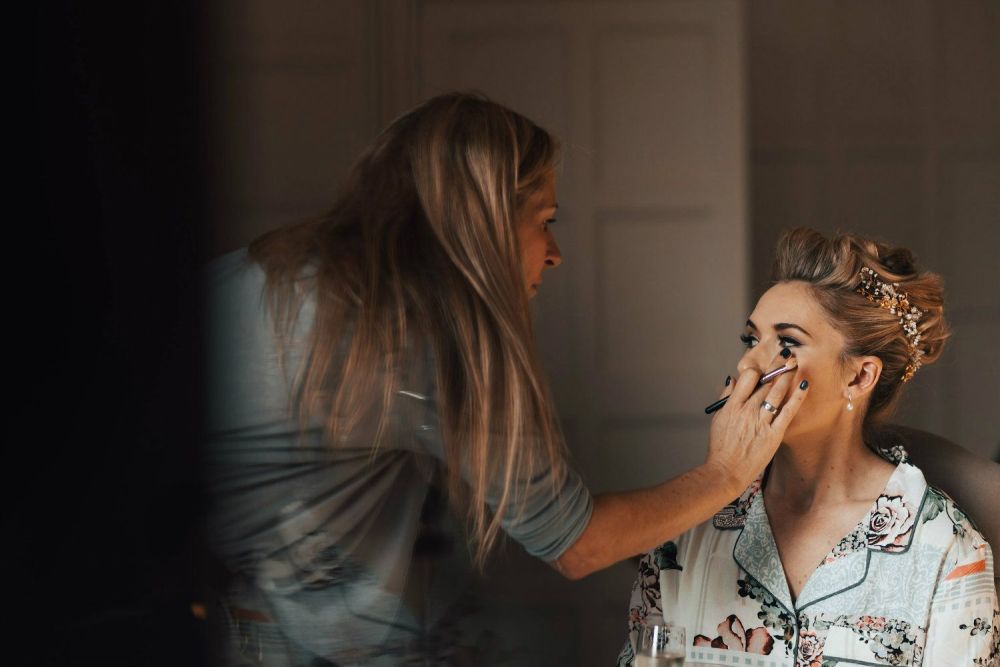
point(803, 384)
point(729, 378)
point(787, 352)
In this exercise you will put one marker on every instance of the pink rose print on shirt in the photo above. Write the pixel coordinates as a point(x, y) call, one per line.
point(810, 650)
point(876, 623)
point(733, 637)
point(890, 523)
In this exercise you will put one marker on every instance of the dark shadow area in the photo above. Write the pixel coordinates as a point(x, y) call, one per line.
point(103, 482)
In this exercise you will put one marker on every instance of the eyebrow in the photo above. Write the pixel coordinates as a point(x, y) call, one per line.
point(781, 326)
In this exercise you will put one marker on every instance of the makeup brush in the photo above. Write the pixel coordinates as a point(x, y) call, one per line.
point(765, 379)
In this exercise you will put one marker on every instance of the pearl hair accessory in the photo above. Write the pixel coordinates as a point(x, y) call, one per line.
point(889, 297)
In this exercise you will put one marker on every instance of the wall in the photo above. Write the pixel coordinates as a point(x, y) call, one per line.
point(883, 118)
point(291, 105)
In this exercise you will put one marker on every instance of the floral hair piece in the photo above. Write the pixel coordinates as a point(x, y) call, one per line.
point(888, 296)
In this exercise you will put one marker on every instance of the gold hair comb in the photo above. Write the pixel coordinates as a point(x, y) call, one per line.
point(889, 297)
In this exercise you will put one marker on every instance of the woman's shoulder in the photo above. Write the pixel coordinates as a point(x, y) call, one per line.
point(239, 302)
point(233, 280)
point(922, 513)
point(234, 268)
point(943, 522)
point(947, 524)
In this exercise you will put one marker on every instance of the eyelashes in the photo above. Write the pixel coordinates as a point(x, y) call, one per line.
point(783, 341)
point(788, 341)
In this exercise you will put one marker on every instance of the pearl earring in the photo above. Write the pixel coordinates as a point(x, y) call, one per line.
point(850, 404)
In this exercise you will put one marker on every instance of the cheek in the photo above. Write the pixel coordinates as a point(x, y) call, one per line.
point(821, 371)
point(828, 378)
point(825, 391)
point(523, 243)
point(535, 253)
point(824, 386)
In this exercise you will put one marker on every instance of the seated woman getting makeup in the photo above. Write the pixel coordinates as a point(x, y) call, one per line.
point(839, 553)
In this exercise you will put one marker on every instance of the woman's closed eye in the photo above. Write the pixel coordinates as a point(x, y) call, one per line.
point(748, 340)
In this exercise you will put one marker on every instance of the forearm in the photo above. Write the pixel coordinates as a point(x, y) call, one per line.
point(633, 522)
point(741, 442)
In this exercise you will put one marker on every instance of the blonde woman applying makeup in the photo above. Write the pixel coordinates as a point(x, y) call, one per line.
point(374, 371)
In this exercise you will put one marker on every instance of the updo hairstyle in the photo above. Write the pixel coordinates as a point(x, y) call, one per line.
point(832, 269)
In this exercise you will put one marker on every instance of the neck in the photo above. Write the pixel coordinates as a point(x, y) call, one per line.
point(834, 466)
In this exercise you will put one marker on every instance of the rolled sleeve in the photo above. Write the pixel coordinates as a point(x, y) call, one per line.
point(546, 518)
point(549, 520)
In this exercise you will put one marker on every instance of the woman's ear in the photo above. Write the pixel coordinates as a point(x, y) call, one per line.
point(867, 371)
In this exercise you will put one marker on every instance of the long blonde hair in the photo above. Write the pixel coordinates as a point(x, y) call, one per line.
point(420, 250)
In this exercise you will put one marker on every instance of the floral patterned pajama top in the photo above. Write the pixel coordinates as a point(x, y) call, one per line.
point(911, 585)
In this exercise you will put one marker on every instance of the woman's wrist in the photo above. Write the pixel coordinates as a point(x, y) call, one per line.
point(725, 476)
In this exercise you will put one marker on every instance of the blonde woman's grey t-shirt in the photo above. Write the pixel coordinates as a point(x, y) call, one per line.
point(322, 540)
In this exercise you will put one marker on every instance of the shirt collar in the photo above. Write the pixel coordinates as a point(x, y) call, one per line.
point(906, 483)
point(891, 521)
point(888, 527)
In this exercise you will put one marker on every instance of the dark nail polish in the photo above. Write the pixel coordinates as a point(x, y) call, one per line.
point(729, 378)
point(803, 384)
point(787, 352)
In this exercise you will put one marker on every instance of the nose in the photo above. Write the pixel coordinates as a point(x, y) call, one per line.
point(755, 358)
point(553, 257)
